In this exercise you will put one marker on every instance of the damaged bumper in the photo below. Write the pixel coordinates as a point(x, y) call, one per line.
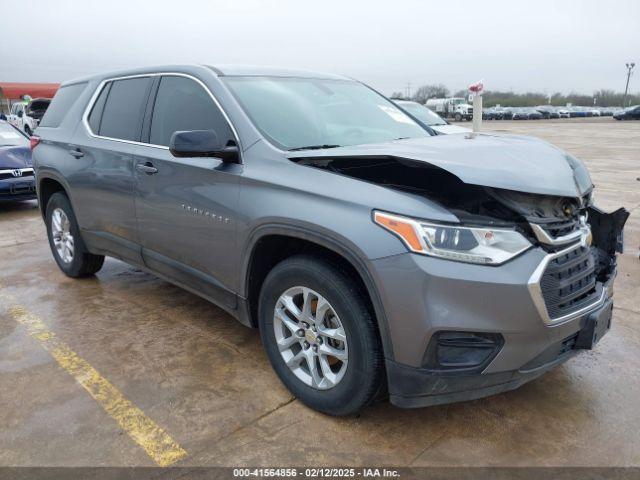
point(463, 331)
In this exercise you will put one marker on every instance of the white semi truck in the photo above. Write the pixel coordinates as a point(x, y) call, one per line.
point(454, 107)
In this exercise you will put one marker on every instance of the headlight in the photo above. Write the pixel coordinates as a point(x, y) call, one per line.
point(486, 246)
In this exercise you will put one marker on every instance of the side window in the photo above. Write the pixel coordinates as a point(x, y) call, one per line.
point(182, 104)
point(96, 112)
point(123, 109)
point(62, 102)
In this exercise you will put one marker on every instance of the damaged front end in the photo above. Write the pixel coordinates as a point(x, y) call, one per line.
point(579, 239)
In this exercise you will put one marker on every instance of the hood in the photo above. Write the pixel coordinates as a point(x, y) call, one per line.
point(15, 157)
point(508, 162)
point(449, 129)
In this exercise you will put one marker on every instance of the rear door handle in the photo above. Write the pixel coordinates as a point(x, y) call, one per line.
point(147, 168)
point(76, 152)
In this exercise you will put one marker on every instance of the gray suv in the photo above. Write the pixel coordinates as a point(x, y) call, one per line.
point(376, 257)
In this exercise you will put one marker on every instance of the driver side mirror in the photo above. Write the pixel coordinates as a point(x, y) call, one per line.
point(202, 143)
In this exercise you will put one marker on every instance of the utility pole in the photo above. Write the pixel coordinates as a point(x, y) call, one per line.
point(408, 90)
point(626, 88)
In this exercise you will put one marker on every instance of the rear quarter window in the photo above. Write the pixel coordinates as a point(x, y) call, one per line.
point(62, 102)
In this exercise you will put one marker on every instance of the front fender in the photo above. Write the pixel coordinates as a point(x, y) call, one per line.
point(351, 253)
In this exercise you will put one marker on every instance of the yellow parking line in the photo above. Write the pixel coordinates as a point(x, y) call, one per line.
point(163, 449)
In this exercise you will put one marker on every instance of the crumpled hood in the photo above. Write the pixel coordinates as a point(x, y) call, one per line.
point(519, 163)
point(15, 157)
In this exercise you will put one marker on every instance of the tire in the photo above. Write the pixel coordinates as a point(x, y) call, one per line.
point(80, 263)
point(457, 117)
point(363, 372)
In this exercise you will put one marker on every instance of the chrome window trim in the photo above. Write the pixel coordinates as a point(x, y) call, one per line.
point(535, 290)
point(96, 94)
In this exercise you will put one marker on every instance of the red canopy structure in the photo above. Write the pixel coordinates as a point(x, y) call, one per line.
point(15, 90)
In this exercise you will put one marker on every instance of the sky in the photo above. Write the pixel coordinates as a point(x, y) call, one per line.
point(545, 46)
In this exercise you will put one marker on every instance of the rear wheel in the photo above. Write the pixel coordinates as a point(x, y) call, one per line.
point(65, 241)
point(319, 335)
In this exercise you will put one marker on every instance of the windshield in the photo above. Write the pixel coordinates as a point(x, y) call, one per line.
point(294, 113)
point(10, 137)
point(422, 113)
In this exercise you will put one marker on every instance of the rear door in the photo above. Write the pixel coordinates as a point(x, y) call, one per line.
point(185, 206)
point(104, 194)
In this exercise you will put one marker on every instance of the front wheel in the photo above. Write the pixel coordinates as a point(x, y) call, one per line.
point(69, 251)
point(458, 117)
point(319, 335)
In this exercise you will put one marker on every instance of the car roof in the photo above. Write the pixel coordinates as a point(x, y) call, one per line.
point(218, 70)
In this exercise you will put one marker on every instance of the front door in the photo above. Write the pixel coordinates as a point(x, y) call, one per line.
point(185, 206)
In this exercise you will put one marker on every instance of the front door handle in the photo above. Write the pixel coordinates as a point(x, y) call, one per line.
point(76, 152)
point(147, 168)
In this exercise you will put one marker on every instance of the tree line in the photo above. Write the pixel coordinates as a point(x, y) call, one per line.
point(491, 98)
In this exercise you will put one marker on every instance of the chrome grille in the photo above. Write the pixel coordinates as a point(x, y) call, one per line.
point(24, 172)
point(561, 228)
point(560, 232)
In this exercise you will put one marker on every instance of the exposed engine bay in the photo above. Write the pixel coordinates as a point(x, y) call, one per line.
point(557, 216)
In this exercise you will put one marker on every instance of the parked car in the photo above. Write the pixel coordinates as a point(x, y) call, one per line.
point(26, 115)
point(427, 117)
point(520, 114)
point(365, 249)
point(547, 111)
point(17, 181)
point(489, 114)
point(505, 113)
point(498, 113)
point(630, 113)
point(577, 112)
point(564, 113)
point(533, 114)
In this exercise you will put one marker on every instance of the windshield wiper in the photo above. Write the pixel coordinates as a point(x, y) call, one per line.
point(313, 147)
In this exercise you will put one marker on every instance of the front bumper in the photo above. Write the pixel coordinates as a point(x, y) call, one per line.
point(411, 387)
point(424, 295)
point(19, 188)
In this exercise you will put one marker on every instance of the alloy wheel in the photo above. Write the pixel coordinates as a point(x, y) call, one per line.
point(62, 237)
point(311, 338)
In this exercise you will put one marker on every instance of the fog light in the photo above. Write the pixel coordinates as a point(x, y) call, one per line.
point(449, 350)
